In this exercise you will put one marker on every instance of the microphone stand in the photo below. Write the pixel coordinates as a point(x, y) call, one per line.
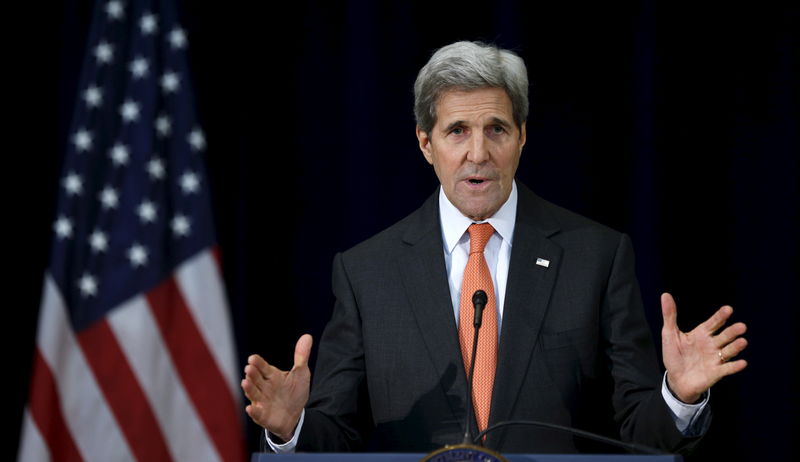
point(479, 300)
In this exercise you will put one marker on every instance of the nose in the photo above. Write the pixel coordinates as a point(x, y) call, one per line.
point(478, 149)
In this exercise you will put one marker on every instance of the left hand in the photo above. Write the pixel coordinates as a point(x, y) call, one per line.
point(698, 359)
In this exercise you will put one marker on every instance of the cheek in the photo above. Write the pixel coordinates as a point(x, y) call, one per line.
point(513, 160)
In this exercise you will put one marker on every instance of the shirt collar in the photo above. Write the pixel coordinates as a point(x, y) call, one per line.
point(455, 224)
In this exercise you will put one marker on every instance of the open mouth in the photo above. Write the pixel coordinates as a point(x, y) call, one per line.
point(475, 181)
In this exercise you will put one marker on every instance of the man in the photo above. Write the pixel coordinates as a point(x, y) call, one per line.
point(564, 337)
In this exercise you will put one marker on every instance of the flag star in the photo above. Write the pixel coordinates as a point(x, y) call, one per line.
point(180, 225)
point(120, 154)
point(163, 125)
point(109, 198)
point(104, 52)
point(129, 111)
point(148, 23)
point(99, 241)
point(147, 212)
point(189, 183)
point(82, 140)
point(115, 10)
point(63, 227)
point(137, 254)
point(197, 139)
point(93, 96)
point(73, 184)
point(177, 38)
point(170, 82)
point(139, 68)
point(88, 285)
point(156, 168)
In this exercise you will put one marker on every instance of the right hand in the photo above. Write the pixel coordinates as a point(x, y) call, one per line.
point(277, 397)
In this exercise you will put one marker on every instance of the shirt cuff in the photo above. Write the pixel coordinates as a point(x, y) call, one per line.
point(690, 419)
point(289, 446)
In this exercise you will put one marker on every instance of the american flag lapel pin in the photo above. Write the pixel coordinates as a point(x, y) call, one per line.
point(543, 262)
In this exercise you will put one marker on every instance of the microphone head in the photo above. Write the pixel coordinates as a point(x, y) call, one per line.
point(479, 298)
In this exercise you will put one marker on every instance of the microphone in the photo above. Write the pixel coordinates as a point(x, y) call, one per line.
point(479, 300)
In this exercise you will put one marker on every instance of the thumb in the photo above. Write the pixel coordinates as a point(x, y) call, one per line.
point(669, 311)
point(302, 351)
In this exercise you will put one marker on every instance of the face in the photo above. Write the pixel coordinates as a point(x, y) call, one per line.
point(474, 148)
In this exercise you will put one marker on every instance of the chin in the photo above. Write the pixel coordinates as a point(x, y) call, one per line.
point(479, 213)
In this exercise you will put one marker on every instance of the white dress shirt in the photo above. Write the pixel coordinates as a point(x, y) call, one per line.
point(689, 418)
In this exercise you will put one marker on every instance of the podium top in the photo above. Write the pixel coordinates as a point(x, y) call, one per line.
point(410, 457)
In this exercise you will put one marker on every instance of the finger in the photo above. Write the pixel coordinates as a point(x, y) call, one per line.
point(302, 351)
point(263, 367)
point(716, 320)
point(254, 412)
point(734, 348)
point(669, 311)
point(254, 375)
point(730, 333)
point(251, 391)
point(255, 379)
point(733, 367)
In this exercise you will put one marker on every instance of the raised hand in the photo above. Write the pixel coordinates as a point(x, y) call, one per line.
point(277, 397)
point(698, 359)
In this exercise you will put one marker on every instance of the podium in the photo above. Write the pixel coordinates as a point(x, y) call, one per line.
point(409, 457)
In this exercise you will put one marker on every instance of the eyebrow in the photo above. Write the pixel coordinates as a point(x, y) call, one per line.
point(453, 125)
point(502, 122)
point(494, 121)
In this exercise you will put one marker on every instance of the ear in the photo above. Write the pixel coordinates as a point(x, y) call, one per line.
point(425, 144)
point(523, 136)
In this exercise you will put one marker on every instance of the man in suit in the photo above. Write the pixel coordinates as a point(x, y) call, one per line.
point(564, 341)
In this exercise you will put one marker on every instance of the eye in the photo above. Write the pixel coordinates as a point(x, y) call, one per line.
point(498, 129)
point(457, 131)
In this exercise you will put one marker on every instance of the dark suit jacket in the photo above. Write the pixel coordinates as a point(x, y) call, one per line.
point(575, 348)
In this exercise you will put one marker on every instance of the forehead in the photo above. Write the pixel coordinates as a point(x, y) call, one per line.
point(473, 105)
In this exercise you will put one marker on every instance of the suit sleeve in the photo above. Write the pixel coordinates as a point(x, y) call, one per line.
point(639, 408)
point(337, 416)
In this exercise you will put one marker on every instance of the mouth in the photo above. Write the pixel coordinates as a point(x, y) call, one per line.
point(477, 183)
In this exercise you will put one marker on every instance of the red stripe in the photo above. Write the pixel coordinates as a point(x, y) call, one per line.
point(45, 408)
point(121, 389)
point(198, 370)
point(217, 254)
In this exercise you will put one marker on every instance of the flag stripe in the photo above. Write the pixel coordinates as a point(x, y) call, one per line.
point(140, 339)
point(33, 447)
point(123, 393)
point(200, 281)
point(45, 410)
point(211, 395)
point(83, 405)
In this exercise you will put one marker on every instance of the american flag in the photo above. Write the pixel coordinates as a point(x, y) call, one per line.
point(135, 356)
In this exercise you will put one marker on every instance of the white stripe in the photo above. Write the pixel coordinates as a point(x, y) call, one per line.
point(32, 446)
point(200, 282)
point(140, 338)
point(85, 410)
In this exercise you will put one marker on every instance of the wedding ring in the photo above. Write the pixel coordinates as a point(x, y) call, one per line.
point(721, 358)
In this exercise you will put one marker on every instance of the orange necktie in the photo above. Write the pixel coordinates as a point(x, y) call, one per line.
point(477, 276)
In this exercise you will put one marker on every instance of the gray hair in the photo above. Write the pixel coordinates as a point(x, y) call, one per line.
point(470, 66)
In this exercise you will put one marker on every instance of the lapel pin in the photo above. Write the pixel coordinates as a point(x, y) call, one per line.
point(543, 262)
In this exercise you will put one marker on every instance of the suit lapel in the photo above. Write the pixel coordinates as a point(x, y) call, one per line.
point(424, 277)
point(527, 297)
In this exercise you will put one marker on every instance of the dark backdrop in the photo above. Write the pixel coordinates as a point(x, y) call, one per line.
point(676, 124)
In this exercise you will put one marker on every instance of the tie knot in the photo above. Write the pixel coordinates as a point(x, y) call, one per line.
point(479, 234)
